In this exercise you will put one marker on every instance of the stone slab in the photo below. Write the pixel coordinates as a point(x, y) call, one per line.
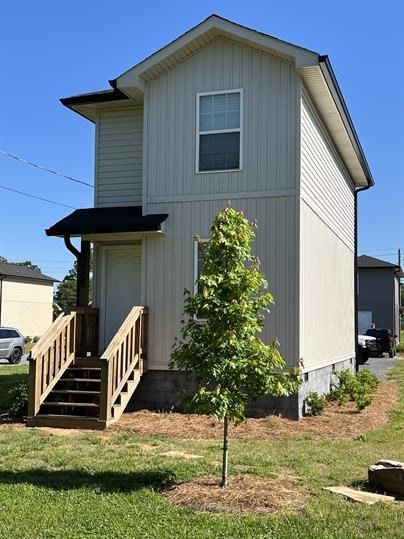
point(360, 496)
point(388, 475)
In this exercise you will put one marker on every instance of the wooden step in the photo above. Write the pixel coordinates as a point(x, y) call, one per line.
point(80, 380)
point(72, 404)
point(81, 369)
point(66, 421)
point(75, 392)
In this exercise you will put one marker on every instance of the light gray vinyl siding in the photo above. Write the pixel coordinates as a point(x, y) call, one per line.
point(169, 268)
point(119, 157)
point(325, 184)
point(327, 308)
point(271, 95)
point(327, 236)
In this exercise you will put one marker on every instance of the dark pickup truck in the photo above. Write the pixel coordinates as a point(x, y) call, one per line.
point(385, 339)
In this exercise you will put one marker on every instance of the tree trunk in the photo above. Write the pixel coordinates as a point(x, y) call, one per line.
point(225, 465)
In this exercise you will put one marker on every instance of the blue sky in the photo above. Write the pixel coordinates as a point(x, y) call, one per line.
point(51, 49)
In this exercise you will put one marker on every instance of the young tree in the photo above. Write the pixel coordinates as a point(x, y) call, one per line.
point(220, 346)
point(65, 295)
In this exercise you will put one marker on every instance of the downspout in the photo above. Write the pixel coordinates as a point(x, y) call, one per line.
point(396, 331)
point(83, 270)
point(356, 191)
point(1, 294)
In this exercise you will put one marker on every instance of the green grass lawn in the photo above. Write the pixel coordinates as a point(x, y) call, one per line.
point(10, 376)
point(87, 485)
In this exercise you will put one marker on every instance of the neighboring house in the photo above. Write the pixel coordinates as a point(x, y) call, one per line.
point(222, 113)
point(26, 299)
point(378, 294)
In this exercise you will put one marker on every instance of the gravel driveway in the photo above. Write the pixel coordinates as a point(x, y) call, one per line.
point(379, 365)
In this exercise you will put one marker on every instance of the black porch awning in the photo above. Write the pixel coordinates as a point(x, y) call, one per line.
point(107, 221)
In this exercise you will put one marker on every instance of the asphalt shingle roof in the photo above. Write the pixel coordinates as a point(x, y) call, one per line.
point(365, 261)
point(12, 270)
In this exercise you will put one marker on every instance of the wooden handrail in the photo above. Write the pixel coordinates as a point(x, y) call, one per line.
point(49, 360)
point(43, 340)
point(123, 355)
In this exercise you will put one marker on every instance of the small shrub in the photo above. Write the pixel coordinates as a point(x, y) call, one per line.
point(367, 377)
point(316, 403)
point(333, 395)
point(357, 388)
point(35, 339)
point(19, 400)
point(27, 340)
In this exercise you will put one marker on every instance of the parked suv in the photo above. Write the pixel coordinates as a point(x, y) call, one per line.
point(367, 346)
point(11, 345)
point(386, 340)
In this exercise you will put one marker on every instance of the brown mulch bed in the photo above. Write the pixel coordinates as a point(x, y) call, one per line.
point(246, 493)
point(336, 422)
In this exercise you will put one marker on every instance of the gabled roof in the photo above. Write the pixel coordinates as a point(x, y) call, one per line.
point(12, 270)
point(315, 71)
point(365, 261)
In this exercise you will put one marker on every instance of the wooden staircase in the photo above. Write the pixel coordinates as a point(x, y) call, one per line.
point(70, 386)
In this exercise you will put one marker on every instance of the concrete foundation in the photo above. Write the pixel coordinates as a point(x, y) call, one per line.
point(322, 381)
point(160, 390)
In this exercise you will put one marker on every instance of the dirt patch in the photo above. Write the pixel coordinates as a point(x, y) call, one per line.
point(246, 494)
point(180, 455)
point(336, 422)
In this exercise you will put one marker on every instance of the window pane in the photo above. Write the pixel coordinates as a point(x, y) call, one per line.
point(219, 112)
point(206, 122)
point(219, 152)
point(219, 121)
point(233, 120)
point(219, 103)
point(205, 103)
point(233, 101)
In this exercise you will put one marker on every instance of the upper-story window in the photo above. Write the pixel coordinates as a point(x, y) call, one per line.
point(219, 131)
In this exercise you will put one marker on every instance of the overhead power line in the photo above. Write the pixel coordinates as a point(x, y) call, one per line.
point(38, 198)
point(45, 169)
point(392, 249)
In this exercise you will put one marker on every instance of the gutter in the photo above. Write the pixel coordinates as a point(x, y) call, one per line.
point(356, 191)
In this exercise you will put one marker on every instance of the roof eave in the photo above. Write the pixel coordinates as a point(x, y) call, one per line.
point(332, 83)
point(84, 104)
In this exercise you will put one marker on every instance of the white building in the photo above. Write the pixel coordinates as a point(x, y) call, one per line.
point(225, 113)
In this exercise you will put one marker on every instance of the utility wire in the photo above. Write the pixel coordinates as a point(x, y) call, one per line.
point(44, 168)
point(38, 198)
point(394, 249)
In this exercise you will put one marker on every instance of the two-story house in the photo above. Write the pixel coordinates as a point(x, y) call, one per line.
point(221, 113)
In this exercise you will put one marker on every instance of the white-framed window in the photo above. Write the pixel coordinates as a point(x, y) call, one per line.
point(219, 131)
point(198, 261)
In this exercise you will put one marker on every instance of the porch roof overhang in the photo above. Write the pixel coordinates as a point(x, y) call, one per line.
point(99, 222)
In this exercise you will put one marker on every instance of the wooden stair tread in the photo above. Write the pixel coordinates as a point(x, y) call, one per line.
point(65, 416)
point(75, 391)
point(79, 368)
point(80, 380)
point(80, 404)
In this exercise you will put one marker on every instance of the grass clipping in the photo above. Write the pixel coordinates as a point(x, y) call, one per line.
point(246, 494)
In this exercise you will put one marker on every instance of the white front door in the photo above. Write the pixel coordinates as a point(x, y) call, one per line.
point(122, 286)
